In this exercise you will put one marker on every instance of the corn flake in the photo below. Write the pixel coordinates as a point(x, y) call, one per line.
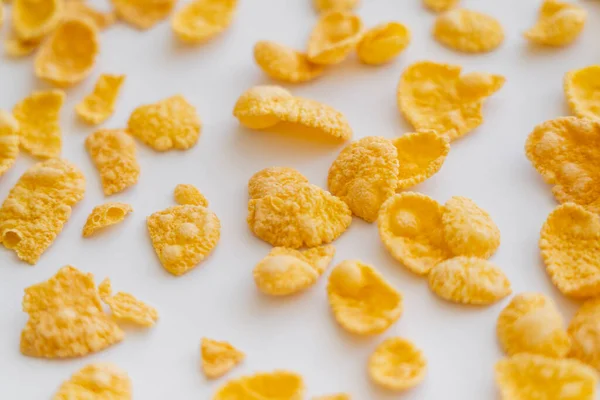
point(189, 194)
point(34, 19)
point(201, 20)
point(584, 331)
point(580, 90)
point(271, 180)
point(143, 14)
point(105, 289)
point(285, 64)
point(99, 105)
point(96, 381)
point(105, 215)
point(334, 37)
point(218, 358)
point(468, 31)
point(362, 301)
point(9, 141)
point(440, 5)
point(276, 385)
point(126, 307)
point(397, 364)
point(323, 6)
point(79, 9)
point(383, 43)
point(559, 24)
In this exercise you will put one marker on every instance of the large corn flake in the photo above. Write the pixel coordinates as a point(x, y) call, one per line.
point(201, 20)
point(34, 19)
point(68, 56)
point(172, 123)
point(397, 364)
point(365, 175)
point(189, 194)
point(97, 106)
point(383, 43)
point(334, 37)
point(361, 300)
point(96, 381)
point(581, 90)
point(440, 5)
point(584, 331)
point(558, 24)
point(218, 358)
point(183, 236)
point(468, 31)
point(271, 180)
point(79, 9)
point(9, 141)
point(15, 47)
point(434, 96)
point(105, 215)
point(143, 14)
point(331, 5)
point(276, 385)
point(531, 376)
point(284, 63)
point(126, 307)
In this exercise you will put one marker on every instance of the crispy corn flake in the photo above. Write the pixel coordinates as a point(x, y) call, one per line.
point(559, 24)
point(420, 155)
point(68, 56)
point(105, 215)
point(143, 14)
point(434, 96)
point(276, 385)
point(172, 123)
point(254, 108)
point(338, 396)
point(531, 376)
point(580, 88)
point(38, 206)
point(271, 180)
point(201, 20)
point(584, 331)
point(218, 358)
point(34, 19)
point(126, 307)
point(468, 31)
point(9, 141)
point(38, 116)
point(361, 300)
point(15, 47)
point(324, 6)
point(440, 5)
point(365, 175)
point(96, 381)
point(284, 63)
point(99, 105)
point(183, 236)
point(383, 43)
point(188, 194)
point(334, 37)
point(410, 226)
point(79, 9)
point(570, 244)
point(105, 289)
point(397, 364)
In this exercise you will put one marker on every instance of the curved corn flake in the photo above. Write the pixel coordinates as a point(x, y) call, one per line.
point(531, 376)
point(38, 206)
point(96, 381)
point(338, 396)
point(420, 155)
point(440, 5)
point(276, 385)
point(113, 154)
point(201, 20)
point(584, 331)
point(271, 180)
point(397, 364)
point(172, 123)
point(284, 63)
point(361, 300)
point(383, 43)
point(254, 108)
point(365, 175)
point(468, 31)
point(570, 243)
point(15, 47)
point(183, 236)
point(126, 307)
point(105, 289)
point(143, 14)
point(99, 105)
point(218, 358)
point(79, 9)
point(334, 37)
point(410, 226)
point(9, 141)
point(324, 6)
point(68, 56)
point(34, 19)
point(559, 24)
point(580, 90)
point(105, 215)
point(189, 194)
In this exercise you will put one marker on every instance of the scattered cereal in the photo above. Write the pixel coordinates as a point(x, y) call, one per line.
point(284, 63)
point(440, 5)
point(99, 105)
point(9, 141)
point(143, 14)
point(584, 331)
point(34, 19)
point(330, 5)
point(558, 24)
point(218, 358)
point(397, 364)
point(334, 37)
point(383, 43)
point(270, 181)
point(105, 289)
point(105, 215)
point(97, 381)
point(468, 31)
point(126, 307)
point(580, 90)
point(201, 20)
point(274, 385)
point(79, 9)
point(189, 194)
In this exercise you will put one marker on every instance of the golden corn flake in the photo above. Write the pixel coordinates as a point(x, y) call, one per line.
point(276, 385)
point(580, 90)
point(218, 358)
point(339, 396)
point(105, 215)
point(172, 123)
point(271, 180)
point(440, 5)
point(436, 97)
point(96, 381)
point(334, 37)
point(531, 376)
point(126, 307)
point(15, 47)
point(559, 24)
point(68, 56)
point(364, 175)
point(284, 63)
point(254, 108)
point(79, 9)
point(9, 141)
point(584, 331)
point(189, 194)
point(143, 14)
point(570, 244)
point(331, 5)
point(468, 31)
point(99, 105)
point(383, 43)
point(34, 19)
point(397, 364)
point(362, 301)
point(201, 20)
point(105, 289)
point(183, 236)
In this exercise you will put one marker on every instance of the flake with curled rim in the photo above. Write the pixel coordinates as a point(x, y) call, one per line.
point(440, 5)
point(434, 96)
point(218, 358)
point(323, 6)
point(9, 141)
point(126, 307)
point(80, 9)
point(105, 215)
point(276, 385)
point(96, 381)
point(143, 14)
point(361, 300)
point(559, 24)
point(99, 105)
point(34, 19)
point(580, 88)
point(271, 180)
point(397, 364)
point(365, 175)
point(531, 376)
point(189, 194)
point(468, 31)
point(201, 20)
point(285, 64)
point(383, 43)
point(584, 331)
point(334, 37)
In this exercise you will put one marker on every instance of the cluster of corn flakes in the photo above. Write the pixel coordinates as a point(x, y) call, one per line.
point(218, 358)
point(201, 20)
point(559, 24)
point(265, 386)
point(105, 215)
point(397, 364)
point(96, 381)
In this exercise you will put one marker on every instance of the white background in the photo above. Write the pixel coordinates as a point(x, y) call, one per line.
point(218, 299)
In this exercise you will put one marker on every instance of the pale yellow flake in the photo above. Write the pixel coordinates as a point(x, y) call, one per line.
point(218, 358)
point(397, 364)
point(105, 215)
point(201, 20)
point(383, 43)
point(559, 24)
point(99, 105)
point(581, 90)
point(285, 64)
point(334, 37)
point(468, 31)
point(100, 381)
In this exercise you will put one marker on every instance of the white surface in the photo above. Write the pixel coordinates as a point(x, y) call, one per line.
point(218, 299)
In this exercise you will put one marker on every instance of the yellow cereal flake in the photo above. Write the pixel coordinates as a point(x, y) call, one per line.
point(361, 300)
point(271, 180)
point(34, 19)
point(570, 244)
point(143, 14)
point(285, 64)
point(15, 47)
point(183, 236)
point(99, 105)
point(436, 97)
point(440, 5)
point(38, 206)
point(334, 37)
point(531, 376)
point(79, 9)
point(468, 31)
point(105, 215)
point(172, 123)
point(105, 289)
point(338, 396)
point(254, 108)
point(274, 385)
point(365, 175)
point(201, 20)
point(559, 24)
point(189, 194)
point(580, 90)
point(126, 307)
point(397, 364)
point(383, 43)
point(584, 331)
point(218, 358)
point(96, 381)
point(68, 56)
point(323, 6)
point(9, 141)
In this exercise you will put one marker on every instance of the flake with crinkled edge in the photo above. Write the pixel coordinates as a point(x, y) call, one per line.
point(285, 64)
point(218, 358)
point(201, 20)
point(274, 385)
point(189, 194)
point(271, 180)
point(324, 6)
point(397, 364)
point(334, 37)
point(9, 141)
point(361, 300)
point(99, 105)
point(421, 155)
point(559, 24)
point(80, 9)
point(440, 5)
point(338, 396)
point(365, 175)
point(468, 31)
point(584, 331)
point(34, 19)
point(126, 307)
point(96, 381)
point(580, 88)
point(105, 215)
point(143, 14)
point(383, 43)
